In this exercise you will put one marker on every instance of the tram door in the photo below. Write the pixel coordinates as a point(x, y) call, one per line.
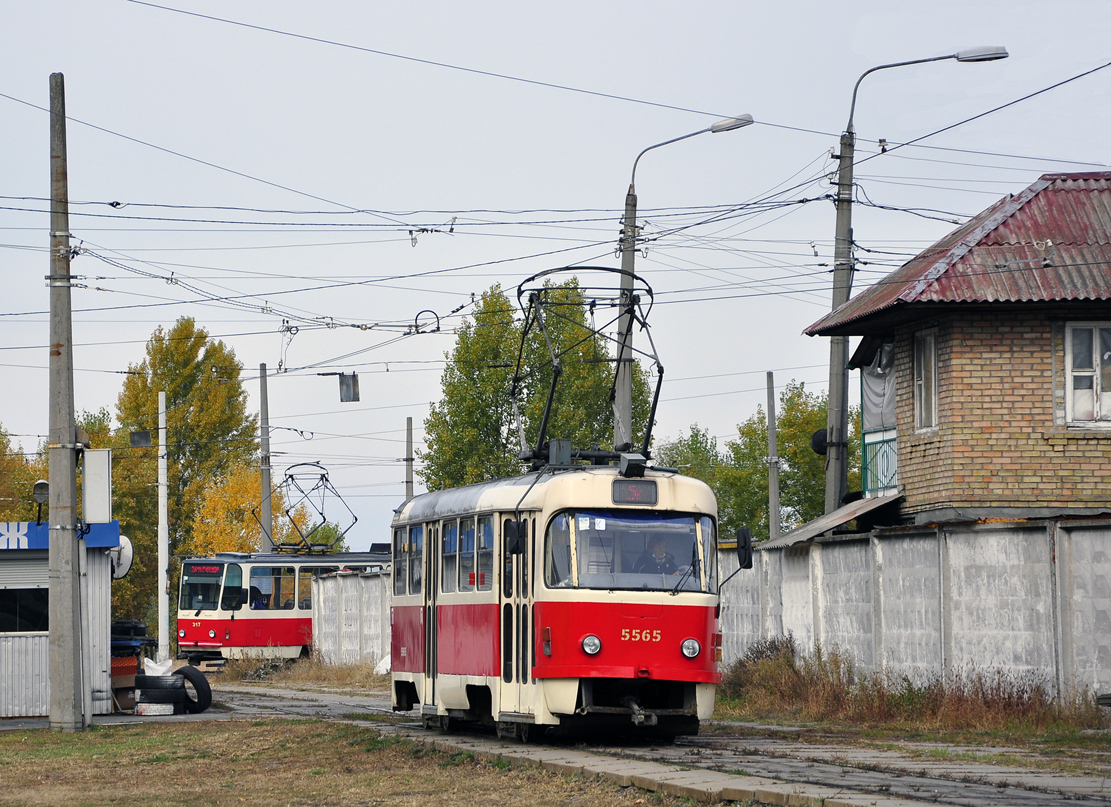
point(516, 618)
point(431, 620)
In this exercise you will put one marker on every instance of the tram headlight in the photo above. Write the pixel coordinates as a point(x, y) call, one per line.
point(690, 648)
point(212, 635)
point(181, 633)
point(591, 645)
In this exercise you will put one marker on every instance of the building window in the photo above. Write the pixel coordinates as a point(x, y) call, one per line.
point(24, 610)
point(925, 380)
point(1088, 370)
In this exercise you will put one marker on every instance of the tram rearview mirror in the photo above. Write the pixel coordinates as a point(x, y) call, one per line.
point(744, 547)
point(514, 536)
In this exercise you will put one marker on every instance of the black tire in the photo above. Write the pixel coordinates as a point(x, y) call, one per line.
point(151, 682)
point(162, 695)
point(194, 705)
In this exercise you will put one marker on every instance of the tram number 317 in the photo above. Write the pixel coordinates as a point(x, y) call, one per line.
point(637, 635)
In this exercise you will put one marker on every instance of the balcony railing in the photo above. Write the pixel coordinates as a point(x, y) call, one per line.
point(880, 466)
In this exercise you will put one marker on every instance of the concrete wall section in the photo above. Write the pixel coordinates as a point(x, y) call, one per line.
point(350, 618)
point(797, 603)
point(1086, 611)
point(846, 598)
point(1000, 600)
point(909, 605)
point(1029, 598)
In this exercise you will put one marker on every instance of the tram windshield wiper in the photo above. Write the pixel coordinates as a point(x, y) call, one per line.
point(690, 569)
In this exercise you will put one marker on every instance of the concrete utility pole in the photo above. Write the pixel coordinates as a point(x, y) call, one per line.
point(264, 440)
point(67, 712)
point(163, 535)
point(623, 388)
point(773, 463)
point(408, 459)
point(837, 414)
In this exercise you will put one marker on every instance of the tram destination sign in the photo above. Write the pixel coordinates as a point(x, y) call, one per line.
point(634, 491)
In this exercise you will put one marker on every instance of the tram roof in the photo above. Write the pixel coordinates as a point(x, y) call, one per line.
point(504, 494)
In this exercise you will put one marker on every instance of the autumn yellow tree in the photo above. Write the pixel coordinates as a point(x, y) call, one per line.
point(227, 521)
point(18, 472)
point(209, 433)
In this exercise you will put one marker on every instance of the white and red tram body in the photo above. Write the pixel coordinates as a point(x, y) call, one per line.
point(525, 601)
point(256, 605)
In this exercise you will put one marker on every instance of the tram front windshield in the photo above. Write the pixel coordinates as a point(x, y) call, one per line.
point(200, 585)
point(654, 551)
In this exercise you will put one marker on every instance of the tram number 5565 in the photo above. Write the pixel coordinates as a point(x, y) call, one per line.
point(637, 635)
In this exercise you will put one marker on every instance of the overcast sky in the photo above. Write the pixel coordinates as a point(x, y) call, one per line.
point(270, 165)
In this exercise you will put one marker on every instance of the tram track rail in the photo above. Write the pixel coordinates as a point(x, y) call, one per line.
point(717, 765)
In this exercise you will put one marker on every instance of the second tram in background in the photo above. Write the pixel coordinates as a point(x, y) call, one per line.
point(256, 605)
point(561, 598)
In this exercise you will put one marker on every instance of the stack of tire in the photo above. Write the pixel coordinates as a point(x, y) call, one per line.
point(186, 690)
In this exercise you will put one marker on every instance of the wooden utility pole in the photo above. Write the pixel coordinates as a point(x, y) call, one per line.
point(67, 702)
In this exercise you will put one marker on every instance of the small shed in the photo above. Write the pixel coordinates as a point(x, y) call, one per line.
point(25, 617)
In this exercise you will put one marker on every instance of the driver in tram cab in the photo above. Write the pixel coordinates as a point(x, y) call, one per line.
point(656, 559)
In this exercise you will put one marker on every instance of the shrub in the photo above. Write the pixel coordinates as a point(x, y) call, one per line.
point(775, 679)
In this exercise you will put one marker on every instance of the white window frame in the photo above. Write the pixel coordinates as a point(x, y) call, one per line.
point(1099, 365)
point(925, 381)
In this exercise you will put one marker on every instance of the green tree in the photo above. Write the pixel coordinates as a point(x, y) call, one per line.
point(739, 473)
point(209, 433)
point(19, 471)
point(471, 433)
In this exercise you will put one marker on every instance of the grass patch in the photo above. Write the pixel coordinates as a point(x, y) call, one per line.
point(305, 672)
point(776, 681)
point(266, 763)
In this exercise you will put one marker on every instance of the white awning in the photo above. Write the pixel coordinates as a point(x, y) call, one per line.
point(842, 515)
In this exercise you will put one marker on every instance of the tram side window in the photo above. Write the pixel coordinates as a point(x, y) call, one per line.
point(304, 588)
point(400, 569)
point(466, 555)
point(416, 558)
point(485, 553)
point(507, 569)
point(232, 597)
point(272, 588)
point(450, 554)
point(557, 557)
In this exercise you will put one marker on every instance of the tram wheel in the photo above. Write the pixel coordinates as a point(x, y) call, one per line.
point(447, 724)
point(430, 722)
point(506, 730)
point(529, 733)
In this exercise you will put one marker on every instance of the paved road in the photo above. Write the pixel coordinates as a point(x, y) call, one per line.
point(846, 774)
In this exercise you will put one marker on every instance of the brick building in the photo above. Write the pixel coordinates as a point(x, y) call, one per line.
point(984, 536)
point(1001, 363)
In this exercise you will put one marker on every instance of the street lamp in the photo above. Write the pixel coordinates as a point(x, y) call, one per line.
point(837, 422)
point(623, 387)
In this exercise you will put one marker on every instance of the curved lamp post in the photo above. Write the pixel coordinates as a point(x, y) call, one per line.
point(837, 423)
point(623, 388)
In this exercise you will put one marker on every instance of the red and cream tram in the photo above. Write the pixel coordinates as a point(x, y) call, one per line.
point(561, 598)
point(258, 605)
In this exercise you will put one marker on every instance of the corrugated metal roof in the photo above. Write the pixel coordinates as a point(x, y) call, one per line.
point(842, 515)
point(1051, 242)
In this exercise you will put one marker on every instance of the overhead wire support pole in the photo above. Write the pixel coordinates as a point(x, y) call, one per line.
point(67, 701)
point(837, 413)
point(267, 519)
point(623, 384)
point(163, 535)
